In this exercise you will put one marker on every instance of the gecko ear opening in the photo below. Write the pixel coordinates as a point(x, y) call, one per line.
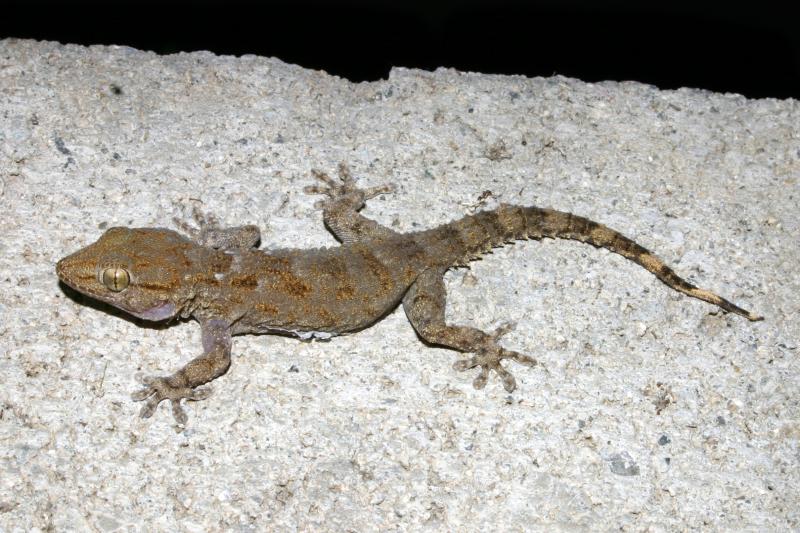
point(115, 279)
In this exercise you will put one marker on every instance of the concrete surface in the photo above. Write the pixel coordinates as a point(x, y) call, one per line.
point(655, 412)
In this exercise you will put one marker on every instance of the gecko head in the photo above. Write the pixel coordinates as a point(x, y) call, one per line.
point(137, 270)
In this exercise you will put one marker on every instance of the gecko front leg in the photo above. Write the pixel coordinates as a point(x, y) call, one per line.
point(184, 383)
point(212, 235)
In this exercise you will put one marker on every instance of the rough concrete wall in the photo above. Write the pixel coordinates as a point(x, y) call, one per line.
point(653, 411)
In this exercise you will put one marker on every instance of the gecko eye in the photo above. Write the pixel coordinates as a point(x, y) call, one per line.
point(115, 279)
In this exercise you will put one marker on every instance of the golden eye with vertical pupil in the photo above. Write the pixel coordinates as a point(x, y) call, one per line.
point(115, 279)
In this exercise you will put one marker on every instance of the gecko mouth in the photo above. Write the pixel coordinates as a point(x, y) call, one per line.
point(162, 311)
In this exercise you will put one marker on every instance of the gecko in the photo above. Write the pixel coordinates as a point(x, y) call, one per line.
point(222, 279)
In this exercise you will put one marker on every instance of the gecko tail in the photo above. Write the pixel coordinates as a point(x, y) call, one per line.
point(480, 232)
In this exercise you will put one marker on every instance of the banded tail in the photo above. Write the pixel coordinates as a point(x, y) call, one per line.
point(464, 240)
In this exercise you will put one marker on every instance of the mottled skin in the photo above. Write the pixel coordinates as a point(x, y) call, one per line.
point(230, 287)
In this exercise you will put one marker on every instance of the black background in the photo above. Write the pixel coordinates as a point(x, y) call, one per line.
point(752, 49)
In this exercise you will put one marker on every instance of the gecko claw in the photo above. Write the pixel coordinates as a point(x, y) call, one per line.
point(158, 389)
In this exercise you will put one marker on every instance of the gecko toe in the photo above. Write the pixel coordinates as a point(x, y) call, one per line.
point(372, 192)
point(149, 407)
point(466, 364)
point(502, 329)
point(324, 178)
point(200, 393)
point(178, 413)
point(316, 189)
point(344, 174)
point(509, 383)
point(481, 379)
point(520, 358)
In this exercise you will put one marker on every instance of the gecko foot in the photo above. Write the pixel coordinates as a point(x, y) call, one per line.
point(209, 232)
point(204, 222)
point(489, 357)
point(344, 191)
point(158, 389)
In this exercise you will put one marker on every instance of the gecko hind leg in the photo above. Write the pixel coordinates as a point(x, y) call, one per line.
point(344, 200)
point(424, 304)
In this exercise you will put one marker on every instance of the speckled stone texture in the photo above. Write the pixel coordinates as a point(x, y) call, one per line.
point(653, 412)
